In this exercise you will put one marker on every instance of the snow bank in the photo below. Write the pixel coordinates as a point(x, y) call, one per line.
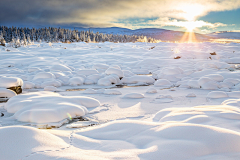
point(7, 82)
point(46, 107)
point(148, 140)
point(30, 139)
point(138, 79)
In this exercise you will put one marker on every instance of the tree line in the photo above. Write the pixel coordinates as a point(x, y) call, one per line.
point(17, 37)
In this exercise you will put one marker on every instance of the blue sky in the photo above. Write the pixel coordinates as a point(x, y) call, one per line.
point(202, 16)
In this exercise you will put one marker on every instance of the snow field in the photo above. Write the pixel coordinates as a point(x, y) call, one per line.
point(188, 108)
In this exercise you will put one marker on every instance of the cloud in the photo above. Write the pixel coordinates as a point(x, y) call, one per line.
point(174, 22)
point(102, 13)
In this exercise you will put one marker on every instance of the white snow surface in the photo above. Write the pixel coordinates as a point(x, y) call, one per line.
point(193, 113)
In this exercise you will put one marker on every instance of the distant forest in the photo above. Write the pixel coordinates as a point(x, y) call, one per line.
point(16, 37)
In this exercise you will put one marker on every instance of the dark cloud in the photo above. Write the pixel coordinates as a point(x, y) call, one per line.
point(99, 12)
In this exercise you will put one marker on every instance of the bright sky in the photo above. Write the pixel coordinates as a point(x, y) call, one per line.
point(202, 16)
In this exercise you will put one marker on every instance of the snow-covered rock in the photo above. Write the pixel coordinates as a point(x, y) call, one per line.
point(109, 80)
point(46, 107)
point(7, 82)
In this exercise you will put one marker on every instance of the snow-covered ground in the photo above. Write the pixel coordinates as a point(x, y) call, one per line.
point(120, 101)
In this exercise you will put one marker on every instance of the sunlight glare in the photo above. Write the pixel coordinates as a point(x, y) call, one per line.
point(190, 12)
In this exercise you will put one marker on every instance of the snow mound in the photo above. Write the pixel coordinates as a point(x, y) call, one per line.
point(46, 107)
point(217, 94)
point(191, 95)
point(215, 77)
point(30, 139)
point(112, 92)
point(140, 71)
point(234, 94)
point(163, 83)
point(33, 69)
point(109, 80)
point(151, 90)
point(87, 72)
point(232, 80)
point(76, 81)
point(193, 84)
point(134, 95)
point(44, 75)
point(28, 85)
point(128, 73)
point(60, 67)
point(116, 71)
point(55, 83)
point(163, 99)
point(90, 91)
point(148, 140)
point(50, 88)
point(138, 79)
point(211, 85)
point(101, 66)
point(7, 82)
point(6, 93)
point(92, 79)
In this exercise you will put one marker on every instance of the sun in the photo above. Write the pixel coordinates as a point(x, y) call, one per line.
point(191, 11)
